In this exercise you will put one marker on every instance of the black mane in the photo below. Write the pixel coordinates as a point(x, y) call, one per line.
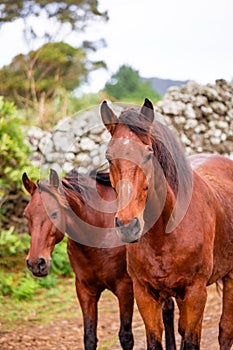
point(166, 148)
point(100, 176)
point(76, 184)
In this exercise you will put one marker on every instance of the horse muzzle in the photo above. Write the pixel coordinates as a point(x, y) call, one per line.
point(128, 233)
point(39, 268)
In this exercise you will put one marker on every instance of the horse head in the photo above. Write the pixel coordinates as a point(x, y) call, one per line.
point(130, 155)
point(149, 171)
point(46, 222)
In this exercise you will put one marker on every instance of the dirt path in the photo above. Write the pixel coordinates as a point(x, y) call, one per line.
point(66, 334)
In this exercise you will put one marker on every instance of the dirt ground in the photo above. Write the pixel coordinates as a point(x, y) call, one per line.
point(66, 334)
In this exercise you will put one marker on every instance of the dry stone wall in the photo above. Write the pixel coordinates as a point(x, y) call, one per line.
point(77, 141)
point(201, 116)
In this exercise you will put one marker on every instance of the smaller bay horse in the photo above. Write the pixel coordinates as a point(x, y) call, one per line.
point(177, 214)
point(83, 206)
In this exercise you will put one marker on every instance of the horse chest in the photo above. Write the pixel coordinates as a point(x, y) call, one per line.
point(163, 274)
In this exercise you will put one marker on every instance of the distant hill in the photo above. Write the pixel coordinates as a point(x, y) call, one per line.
point(161, 85)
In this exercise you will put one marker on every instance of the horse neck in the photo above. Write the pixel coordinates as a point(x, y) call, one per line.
point(168, 206)
point(89, 227)
point(155, 229)
point(76, 205)
point(76, 209)
point(161, 201)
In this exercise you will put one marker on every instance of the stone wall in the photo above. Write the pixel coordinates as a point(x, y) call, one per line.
point(201, 116)
point(77, 141)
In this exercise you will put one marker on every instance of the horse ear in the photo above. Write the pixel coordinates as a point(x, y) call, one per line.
point(53, 178)
point(148, 111)
point(108, 117)
point(29, 185)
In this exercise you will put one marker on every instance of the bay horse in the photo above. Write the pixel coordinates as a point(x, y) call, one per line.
point(98, 259)
point(176, 213)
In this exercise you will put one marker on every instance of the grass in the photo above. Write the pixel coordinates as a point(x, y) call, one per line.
point(27, 301)
point(62, 301)
point(109, 344)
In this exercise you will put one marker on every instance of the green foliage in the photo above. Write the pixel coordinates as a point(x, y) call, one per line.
point(13, 151)
point(20, 284)
point(45, 78)
point(85, 101)
point(47, 304)
point(76, 14)
point(12, 244)
point(25, 288)
point(40, 73)
point(56, 68)
point(60, 261)
point(126, 80)
point(49, 281)
point(6, 283)
point(14, 160)
point(65, 104)
point(126, 85)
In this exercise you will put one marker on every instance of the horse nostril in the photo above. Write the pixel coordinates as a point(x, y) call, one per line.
point(118, 222)
point(41, 263)
point(29, 264)
point(134, 226)
point(135, 223)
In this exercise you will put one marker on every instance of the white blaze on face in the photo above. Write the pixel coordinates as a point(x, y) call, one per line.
point(124, 193)
point(126, 141)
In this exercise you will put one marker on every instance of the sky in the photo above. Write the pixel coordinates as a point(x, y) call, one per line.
point(184, 40)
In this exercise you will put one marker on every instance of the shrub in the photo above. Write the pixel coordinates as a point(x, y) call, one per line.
point(12, 244)
point(14, 161)
point(49, 281)
point(26, 288)
point(126, 85)
point(13, 151)
point(6, 283)
point(60, 262)
point(21, 284)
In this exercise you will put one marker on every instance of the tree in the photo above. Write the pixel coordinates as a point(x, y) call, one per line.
point(126, 84)
point(32, 79)
point(76, 14)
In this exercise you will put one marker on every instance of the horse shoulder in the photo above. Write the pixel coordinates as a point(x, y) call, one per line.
point(97, 266)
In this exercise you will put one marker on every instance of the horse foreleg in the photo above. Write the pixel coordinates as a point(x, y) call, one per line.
point(125, 297)
point(168, 320)
point(88, 302)
point(191, 315)
point(226, 322)
point(151, 312)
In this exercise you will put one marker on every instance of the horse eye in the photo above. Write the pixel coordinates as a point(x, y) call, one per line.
point(54, 215)
point(150, 153)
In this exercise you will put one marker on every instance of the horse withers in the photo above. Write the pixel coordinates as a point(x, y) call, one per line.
point(177, 214)
point(85, 209)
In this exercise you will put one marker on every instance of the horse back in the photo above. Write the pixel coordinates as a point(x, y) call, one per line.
point(217, 174)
